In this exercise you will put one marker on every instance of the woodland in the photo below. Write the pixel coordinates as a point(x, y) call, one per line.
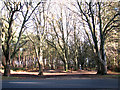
point(60, 35)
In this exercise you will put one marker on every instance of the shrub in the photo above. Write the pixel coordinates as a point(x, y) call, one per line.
point(18, 68)
point(116, 68)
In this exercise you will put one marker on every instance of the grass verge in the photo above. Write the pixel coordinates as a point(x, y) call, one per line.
point(9, 78)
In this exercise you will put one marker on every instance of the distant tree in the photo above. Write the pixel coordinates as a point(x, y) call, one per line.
point(60, 36)
point(38, 40)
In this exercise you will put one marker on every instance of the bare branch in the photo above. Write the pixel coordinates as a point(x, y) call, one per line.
point(110, 21)
point(33, 10)
point(111, 28)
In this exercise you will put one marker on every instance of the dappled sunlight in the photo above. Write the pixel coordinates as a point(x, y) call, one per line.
point(53, 72)
point(58, 72)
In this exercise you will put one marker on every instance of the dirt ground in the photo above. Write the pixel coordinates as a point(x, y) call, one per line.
point(57, 74)
point(53, 72)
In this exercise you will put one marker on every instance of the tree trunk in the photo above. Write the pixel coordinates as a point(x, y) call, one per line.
point(6, 70)
point(19, 57)
point(7, 67)
point(52, 68)
point(103, 56)
point(66, 67)
point(40, 68)
point(76, 65)
point(82, 66)
point(98, 67)
point(40, 63)
point(51, 62)
point(13, 62)
point(26, 61)
point(56, 64)
point(44, 64)
point(101, 67)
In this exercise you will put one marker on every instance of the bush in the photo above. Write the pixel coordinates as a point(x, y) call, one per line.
point(116, 68)
point(18, 68)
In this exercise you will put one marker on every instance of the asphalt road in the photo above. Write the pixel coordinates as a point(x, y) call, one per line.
point(53, 83)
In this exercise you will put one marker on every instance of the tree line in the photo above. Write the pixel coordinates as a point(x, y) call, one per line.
point(78, 34)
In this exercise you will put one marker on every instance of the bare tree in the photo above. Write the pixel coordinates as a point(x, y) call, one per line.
point(90, 15)
point(60, 35)
point(13, 8)
point(40, 27)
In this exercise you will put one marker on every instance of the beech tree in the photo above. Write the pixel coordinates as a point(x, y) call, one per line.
point(14, 9)
point(60, 36)
point(91, 13)
point(112, 41)
point(39, 21)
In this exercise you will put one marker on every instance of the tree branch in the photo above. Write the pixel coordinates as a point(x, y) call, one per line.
point(111, 28)
point(110, 21)
point(33, 11)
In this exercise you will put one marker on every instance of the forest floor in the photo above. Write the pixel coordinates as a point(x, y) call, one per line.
point(58, 74)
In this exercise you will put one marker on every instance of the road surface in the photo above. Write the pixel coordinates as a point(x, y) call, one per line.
point(53, 83)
